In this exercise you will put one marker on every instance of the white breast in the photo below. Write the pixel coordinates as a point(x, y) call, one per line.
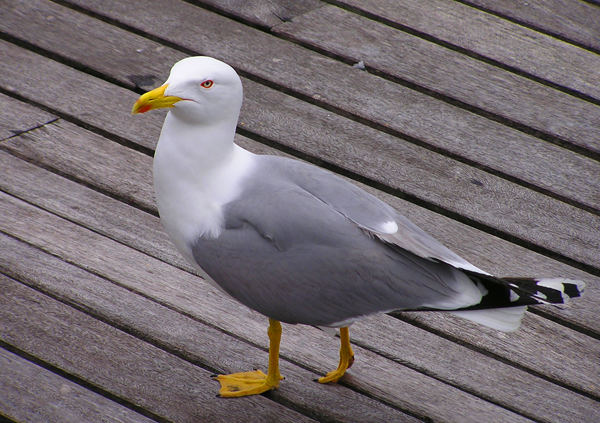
point(191, 194)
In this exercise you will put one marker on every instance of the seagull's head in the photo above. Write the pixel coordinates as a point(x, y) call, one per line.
point(199, 89)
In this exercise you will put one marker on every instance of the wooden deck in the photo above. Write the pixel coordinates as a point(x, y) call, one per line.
point(478, 119)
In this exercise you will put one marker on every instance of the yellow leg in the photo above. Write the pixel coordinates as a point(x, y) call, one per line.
point(346, 358)
point(256, 382)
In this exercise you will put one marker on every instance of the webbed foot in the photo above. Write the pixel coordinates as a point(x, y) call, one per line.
point(255, 382)
point(246, 383)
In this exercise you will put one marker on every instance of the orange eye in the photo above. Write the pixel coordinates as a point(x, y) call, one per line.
point(207, 84)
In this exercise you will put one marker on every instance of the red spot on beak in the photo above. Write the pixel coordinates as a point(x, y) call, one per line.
point(144, 108)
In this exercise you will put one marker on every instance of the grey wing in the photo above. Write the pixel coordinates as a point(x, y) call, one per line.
point(294, 257)
point(373, 215)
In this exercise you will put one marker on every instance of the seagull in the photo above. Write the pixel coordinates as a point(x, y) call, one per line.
point(297, 243)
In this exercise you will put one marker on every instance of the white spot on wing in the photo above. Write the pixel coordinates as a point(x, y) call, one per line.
point(390, 227)
point(513, 296)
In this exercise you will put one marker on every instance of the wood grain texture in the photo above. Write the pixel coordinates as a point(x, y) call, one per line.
point(18, 117)
point(497, 146)
point(300, 125)
point(263, 13)
point(509, 346)
point(30, 74)
point(480, 374)
point(32, 394)
point(186, 293)
point(113, 168)
point(518, 211)
point(375, 147)
point(514, 389)
point(494, 38)
point(571, 19)
point(105, 168)
point(187, 337)
point(91, 286)
point(115, 219)
point(440, 70)
point(310, 74)
point(308, 346)
point(104, 356)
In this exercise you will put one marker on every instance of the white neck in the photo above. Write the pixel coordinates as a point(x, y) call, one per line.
point(197, 169)
point(201, 146)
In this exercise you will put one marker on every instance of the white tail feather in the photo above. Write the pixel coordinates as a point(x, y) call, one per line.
point(506, 319)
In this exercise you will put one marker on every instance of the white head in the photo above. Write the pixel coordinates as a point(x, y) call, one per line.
point(200, 90)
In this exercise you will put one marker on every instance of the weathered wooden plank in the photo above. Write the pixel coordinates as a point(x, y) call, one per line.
point(264, 13)
point(377, 375)
point(574, 20)
point(328, 136)
point(494, 38)
point(534, 329)
point(89, 158)
point(476, 372)
point(143, 374)
point(314, 131)
point(506, 150)
point(190, 295)
point(33, 394)
point(87, 207)
point(105, 168)
point(317, 135)
point(332, 360)
point(484, 376)
point(18, 117)
point(60, 87)
point(358, 93)
point(177, 333)
point(40, 187)
point(571, 183)
point(417, 61)
point(407, 168)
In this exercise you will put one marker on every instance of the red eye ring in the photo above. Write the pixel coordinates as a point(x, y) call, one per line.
point(207, 84)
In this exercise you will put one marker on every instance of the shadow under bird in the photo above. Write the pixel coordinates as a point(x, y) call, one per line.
point(298, 243)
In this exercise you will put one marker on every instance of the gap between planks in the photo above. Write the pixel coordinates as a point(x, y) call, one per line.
point(362, 353)
point(435, 207)
point(525, 128)
point(362, 10)
point(142, 195)
point(20, 255)
point(116, 365)
point(530, 22)
point(104, 399)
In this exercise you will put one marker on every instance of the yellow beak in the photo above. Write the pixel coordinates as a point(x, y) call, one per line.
point(154, 99)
